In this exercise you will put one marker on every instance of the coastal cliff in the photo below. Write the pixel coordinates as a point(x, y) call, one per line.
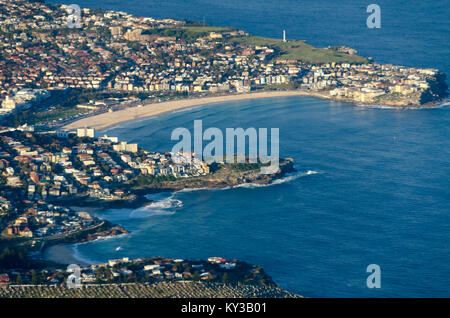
point(106, 229)
point(437, 90)
point(223, 176)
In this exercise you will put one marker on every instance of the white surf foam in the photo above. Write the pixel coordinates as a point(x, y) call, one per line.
point(78, 256)
point(163, 204)
point(444, 105)
point(168, 203)
point(191, 190)
point(186, 109)
point(285, 179)
point(105, 238)
point(383, 107)
point(293, 177)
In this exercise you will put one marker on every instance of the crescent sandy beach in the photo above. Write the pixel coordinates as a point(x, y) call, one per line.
point(105, 120)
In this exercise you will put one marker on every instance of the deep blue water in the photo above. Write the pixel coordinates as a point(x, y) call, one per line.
point(381, 194)
point(413, 32)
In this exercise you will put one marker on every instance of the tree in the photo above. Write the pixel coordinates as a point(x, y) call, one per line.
point(12, 258)
point(34, 277)
point(3, 180)
point(196, 276)
point(18, 279)
point(225, 278)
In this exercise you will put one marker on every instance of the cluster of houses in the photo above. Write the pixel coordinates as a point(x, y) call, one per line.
point(370, 82)
point(5, 206)
point(162, 268)
point(121, 52)
point(46, 221)
point(233, 68)
point(99, 54)
point(144, 270)
point(44, 167)
point(4, 279)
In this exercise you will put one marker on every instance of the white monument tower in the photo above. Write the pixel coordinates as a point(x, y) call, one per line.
point(284, 35)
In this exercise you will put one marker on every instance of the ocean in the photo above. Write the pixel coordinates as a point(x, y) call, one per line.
point(380, 190)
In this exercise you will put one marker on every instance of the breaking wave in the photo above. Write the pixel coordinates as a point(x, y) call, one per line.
point(168, 203)
point(162, 205)
point(445, 104)
point(385, 107)
point(441, 105)
point(294, 176)
point(288, 178)
point(285, 179)
point(80, 257)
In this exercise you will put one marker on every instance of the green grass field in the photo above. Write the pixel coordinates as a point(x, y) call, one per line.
point(188, 32)
point(300, 50)
point(55, 114)
point(206, 29)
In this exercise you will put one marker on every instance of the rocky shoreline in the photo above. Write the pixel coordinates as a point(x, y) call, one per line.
point(109, 119)
point(214, 277)
point(386, 103)
point(106, 229)
point(224, 177)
